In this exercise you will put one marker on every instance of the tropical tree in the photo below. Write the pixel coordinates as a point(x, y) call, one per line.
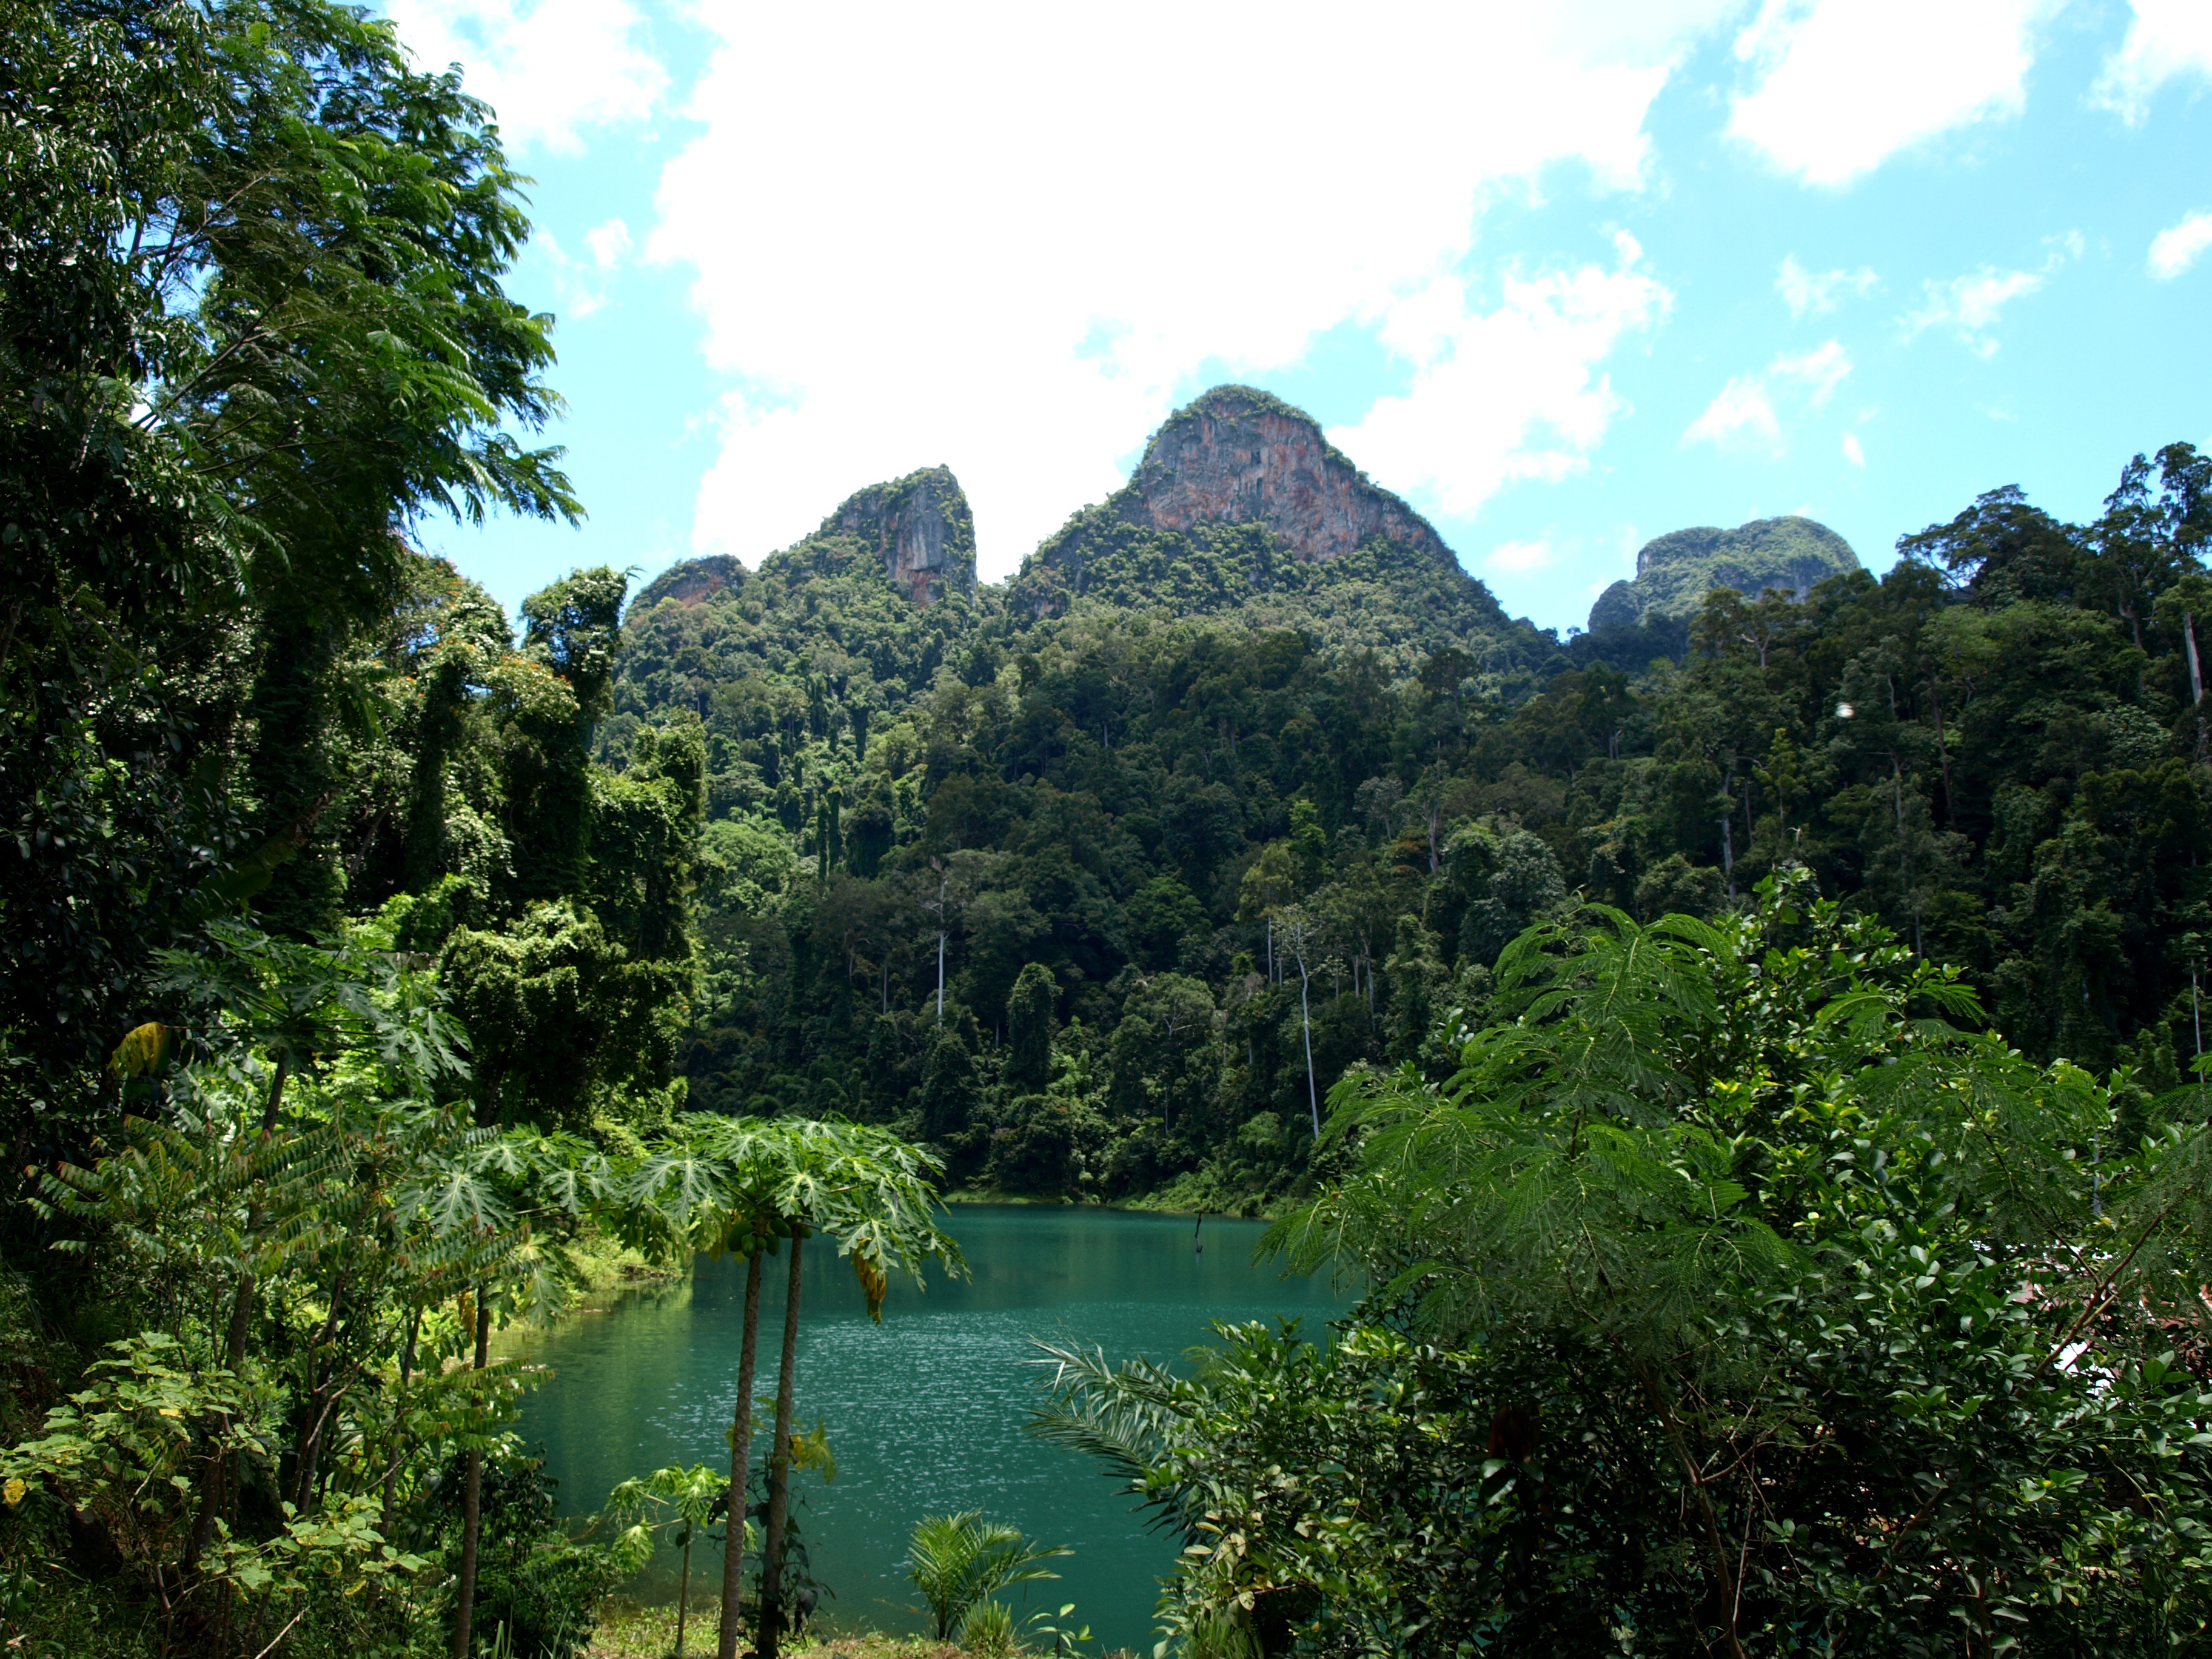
point(303, 1162)
point(1733, 1295)
point(957, 1561)
point(676, 1500)
point(747, 1185)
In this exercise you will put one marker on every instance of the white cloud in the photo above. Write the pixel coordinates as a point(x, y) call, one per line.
point(1741, 416)
point(2166, 40)
point(1843, 85)
point(1012, 242)
point(1970, 305)
point(1852, 452)
point(1509, 394)
point(1814, 294)
point(2177, 248)
point(609, 244)
point(1519, 557)
point(579, 285)
point(551, 69)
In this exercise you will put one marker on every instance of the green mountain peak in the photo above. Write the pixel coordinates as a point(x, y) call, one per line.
point(1675, 572)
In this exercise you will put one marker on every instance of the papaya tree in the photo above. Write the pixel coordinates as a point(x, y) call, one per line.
point(676, 1500)
point(745, 1186)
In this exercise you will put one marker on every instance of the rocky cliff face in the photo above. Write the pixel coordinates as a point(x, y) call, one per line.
point(920, 527)
point(1674, 573)
point(691, 582)
point(1239, 455)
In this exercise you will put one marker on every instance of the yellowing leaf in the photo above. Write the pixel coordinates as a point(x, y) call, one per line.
point(873, 1283)
point(14, 1491)
point(144, 1050)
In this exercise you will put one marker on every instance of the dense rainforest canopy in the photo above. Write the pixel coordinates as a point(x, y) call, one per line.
point(1210, 844)
point(368, 958)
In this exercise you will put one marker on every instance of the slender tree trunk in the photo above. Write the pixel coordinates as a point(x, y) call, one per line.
point(1724, 1579)
point(741, 1437)
point(319, 1405)
point(1942, 750)
point(683, 1594)
point(940, 977)
point(465, 1598)
point(398, 1426)
point(2196, 677)
point(779, 1474)
point(1305, 1022)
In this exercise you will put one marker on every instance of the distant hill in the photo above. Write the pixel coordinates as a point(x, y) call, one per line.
point(848, 624)
point(1241, 508)
point(1674, 573)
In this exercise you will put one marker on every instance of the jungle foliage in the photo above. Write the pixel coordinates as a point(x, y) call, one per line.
point(320, 924)
point(360, 945)
point(1214, 845)
point(1733, 1294)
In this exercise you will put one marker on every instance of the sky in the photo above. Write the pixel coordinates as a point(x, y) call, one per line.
point(1565, 277)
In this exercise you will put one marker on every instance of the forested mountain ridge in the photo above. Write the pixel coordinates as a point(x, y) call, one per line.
point(1675, 572)
point(1242, 508)
point(1124, 808)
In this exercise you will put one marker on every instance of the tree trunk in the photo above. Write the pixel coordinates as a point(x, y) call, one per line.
point(465, 1598)
point(1724, 1580)
point(398, 1426)
point(319, 1404)
point(1305, 1022)
point(684, 1593)
point(2196, 677)
point(778, 1473)
point(741, 1437)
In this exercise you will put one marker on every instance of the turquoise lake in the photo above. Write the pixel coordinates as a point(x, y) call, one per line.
point(925, 1411)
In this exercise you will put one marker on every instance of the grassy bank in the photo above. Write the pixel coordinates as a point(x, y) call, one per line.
point(628, 1631)
point(1193, 1194)
point(603, 1264)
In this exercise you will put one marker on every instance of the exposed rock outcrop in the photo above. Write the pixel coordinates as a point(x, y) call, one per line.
point(920, 528)
point(690, 582)
point(1239, 455)
point(1675, 572)
point(1242, 508)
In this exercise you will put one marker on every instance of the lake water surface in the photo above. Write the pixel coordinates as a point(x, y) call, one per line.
point(925, 1411)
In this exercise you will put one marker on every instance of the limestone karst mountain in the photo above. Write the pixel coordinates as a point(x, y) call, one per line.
point(920, 528)
point(1241, 509)
point(1239, 455)
point(1241, 506)
point(856, 618)
point(1675, 572)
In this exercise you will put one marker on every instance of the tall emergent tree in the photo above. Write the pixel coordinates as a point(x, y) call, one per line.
point(250, 328)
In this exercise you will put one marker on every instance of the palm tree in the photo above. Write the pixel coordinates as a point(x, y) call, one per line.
point(958, 1560)
point(746, 1185)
